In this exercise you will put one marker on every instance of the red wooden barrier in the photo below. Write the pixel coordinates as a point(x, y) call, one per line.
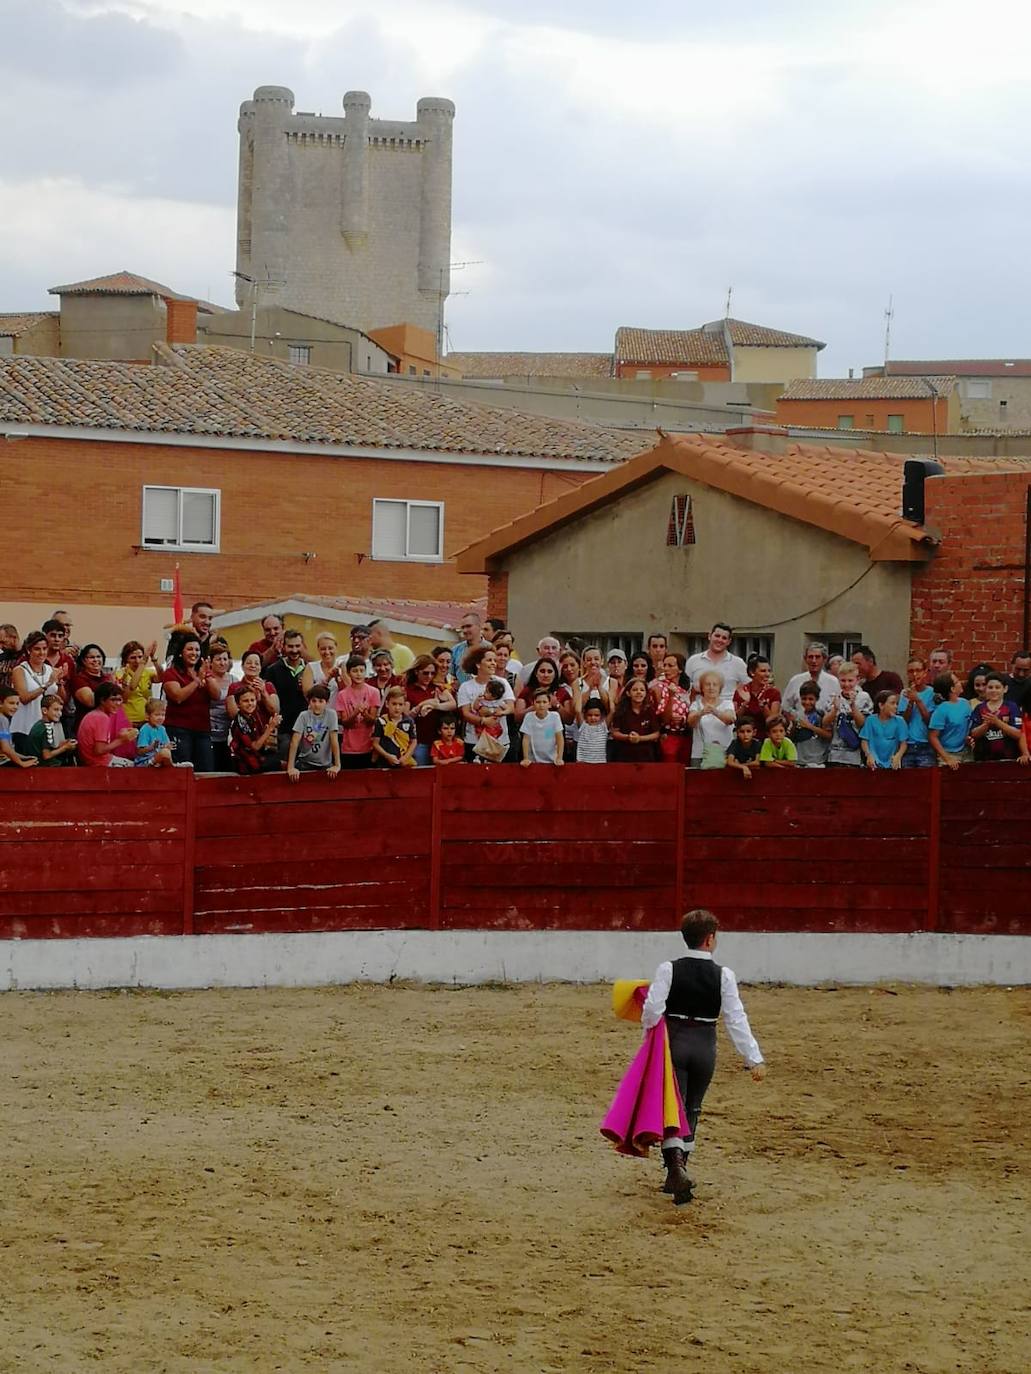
point(824, 850)
point(93, 852)
point(116, 852)
point(544, 848)
point(348, 854)
point(986, 850)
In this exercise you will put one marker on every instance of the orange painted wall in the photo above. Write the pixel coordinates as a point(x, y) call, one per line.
point(659, 370)
point(78, 505)
point(867, 414)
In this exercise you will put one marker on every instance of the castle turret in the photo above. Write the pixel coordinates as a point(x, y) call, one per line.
point(354, 180)
point(348, 218)
point(268, 114)
point(435, 118)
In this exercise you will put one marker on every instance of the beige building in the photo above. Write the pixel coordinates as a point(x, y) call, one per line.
point(993, 394)
point(277, 332)
point(786, 543)
point(32, 333)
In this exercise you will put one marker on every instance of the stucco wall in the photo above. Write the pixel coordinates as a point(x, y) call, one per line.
point(276, 329)
point(773, 364)
point(117, 327)
point(990, 413)
point(612, 570)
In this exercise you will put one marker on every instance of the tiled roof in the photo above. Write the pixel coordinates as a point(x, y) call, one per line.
point(436, 615)
point(866, 388)
point(961, 367)
point(701, 347)
point(117, 284)
point(227, 393)
point(855, 494)
point(691, 347)
point(531, 364)
point(14, 323)
point(758, 336)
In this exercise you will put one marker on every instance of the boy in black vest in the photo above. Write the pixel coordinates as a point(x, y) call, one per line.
point(691, 993)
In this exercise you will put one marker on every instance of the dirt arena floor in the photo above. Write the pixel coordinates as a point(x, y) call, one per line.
point(405, 1179)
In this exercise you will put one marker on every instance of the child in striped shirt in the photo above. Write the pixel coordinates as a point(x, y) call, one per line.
point(592, 741)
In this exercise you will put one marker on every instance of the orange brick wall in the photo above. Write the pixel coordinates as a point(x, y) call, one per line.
point(970, 595)
point(78, 506)
point(659, 370)
point(916, 415)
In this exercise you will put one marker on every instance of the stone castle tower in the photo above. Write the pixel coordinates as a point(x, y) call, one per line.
point(348, 219)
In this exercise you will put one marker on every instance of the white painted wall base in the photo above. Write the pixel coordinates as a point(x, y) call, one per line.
point(379, 956)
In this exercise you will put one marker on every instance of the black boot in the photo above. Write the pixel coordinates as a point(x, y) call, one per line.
point(677, 1181)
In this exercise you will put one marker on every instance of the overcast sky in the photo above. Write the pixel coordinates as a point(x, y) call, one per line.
point(614, 163)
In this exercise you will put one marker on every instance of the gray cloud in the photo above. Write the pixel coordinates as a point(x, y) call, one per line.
point(814, 186)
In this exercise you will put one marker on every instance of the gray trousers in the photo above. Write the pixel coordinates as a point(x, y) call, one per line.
point(693, 1050)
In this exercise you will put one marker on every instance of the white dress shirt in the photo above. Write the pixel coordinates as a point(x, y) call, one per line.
point(734, 1016)
point(829, 689)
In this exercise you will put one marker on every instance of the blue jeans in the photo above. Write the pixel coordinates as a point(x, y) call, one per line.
point(192, 746)
point(422, 755)
point(919, 756)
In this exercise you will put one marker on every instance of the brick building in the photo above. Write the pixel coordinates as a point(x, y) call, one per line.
point(261, 480)
point(897, 405)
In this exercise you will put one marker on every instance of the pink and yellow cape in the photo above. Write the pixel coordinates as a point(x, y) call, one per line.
point(647, 1107)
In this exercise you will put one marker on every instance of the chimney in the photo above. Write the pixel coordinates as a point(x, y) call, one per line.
point(759, 440)
point(180, 321)
point(915, 472)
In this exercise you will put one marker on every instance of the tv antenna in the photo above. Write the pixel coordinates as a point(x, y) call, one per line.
point(889, 315)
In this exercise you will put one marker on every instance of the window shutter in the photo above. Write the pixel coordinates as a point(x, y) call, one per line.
point(160, 515)
point(388, 529)
point(680, 530)
point(423, 532)
point(198, 517)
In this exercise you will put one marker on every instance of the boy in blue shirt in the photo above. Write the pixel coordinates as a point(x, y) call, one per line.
point(885, 734)
point(949, 725)
point(915, 706)
point(153, 747)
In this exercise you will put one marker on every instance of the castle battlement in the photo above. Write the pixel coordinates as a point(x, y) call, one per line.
point(327, 225)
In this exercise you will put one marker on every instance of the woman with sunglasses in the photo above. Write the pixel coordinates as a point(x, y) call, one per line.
point(425, 702)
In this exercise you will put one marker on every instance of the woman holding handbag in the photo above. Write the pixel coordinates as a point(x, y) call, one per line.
point(480, 711)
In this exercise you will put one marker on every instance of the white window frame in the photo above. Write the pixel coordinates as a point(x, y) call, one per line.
point(182, 545)
point(438, 557)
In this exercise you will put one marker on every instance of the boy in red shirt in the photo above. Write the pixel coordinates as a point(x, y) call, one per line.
point(357, 707)
point(447, 748)
point(98, 736)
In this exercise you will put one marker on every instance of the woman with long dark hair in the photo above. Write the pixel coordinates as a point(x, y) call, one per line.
point(188, 720)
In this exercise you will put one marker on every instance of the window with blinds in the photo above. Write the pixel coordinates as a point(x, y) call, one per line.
point(410, 531)
point(184, 518)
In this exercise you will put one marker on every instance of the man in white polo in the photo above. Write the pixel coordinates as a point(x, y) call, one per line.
point(815, 660)
point(718, 656)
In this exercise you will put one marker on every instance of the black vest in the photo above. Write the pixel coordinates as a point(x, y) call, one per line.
point(696, 989)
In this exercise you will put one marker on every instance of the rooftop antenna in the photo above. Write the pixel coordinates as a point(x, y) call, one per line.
point(889, 315)
point(441, 294)
point(726, 312)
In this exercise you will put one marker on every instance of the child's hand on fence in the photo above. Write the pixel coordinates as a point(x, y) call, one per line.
point(293, 774)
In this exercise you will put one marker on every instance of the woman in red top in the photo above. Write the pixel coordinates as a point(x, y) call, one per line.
point(758, 697)
point(634, 727)
point(89, 674)
point(188, 719)
point(426, 702)
point(672, 695)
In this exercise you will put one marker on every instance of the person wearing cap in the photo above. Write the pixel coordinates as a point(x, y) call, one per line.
point(361, 644)
point(616, 665)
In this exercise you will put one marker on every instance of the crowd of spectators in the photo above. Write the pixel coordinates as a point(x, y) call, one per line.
point(294, 708)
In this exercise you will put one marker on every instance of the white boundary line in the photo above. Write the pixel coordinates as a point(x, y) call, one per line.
point(316, 959)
